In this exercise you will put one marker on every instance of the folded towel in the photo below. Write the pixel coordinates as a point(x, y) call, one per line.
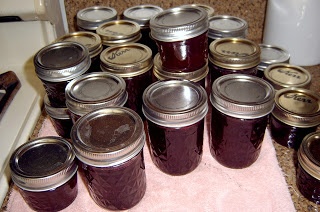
point(210, 187)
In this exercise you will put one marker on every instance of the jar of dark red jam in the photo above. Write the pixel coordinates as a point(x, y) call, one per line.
point(119, 32)
point(175, 111)
point(241, 105)
point(233, 56)
point(308, 170)
point(271, 54)
point(282, 75)
point(109, 145)
point(57, 64)
point(142, 14)
point(94, 90)
point(45, 172)
point(181, 36)
point(59, 117)
point(160, 73)
point(226, 26)
point(296, 114)
point(90, 40)
point(133, 62)
point(88, 19)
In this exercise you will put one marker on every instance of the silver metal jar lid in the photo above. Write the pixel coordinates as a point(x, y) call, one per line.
point(207, 8)
point(298, 107)
point(161, 73)
point(55, 112)
point(89, 39)
point(61, 61)
point(119, 32)
point(242, 96)
point(42, 164)
point(126, 60)
point(308, 154)
point(271, 54)
point(283, 75)
point(141, 14)
point(234, 53)
point(91, 17)
point(174, 103)
point(95, 90)
point(179, 23)
point(223, 26)
point(108, 136)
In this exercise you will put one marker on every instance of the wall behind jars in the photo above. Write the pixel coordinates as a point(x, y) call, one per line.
point(253, 11)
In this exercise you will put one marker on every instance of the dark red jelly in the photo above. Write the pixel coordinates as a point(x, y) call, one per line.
point(62, 126)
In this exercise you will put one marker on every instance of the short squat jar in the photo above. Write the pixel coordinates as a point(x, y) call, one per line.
point(182, 42)
point(233, 56)
point(94, 90)
point(175, 111)
point(109, 145)
point(295, 115)
point(160, 73)
point(45, 172)
point(283, 75)
point(133, 62)
point(308, 170)
point(57, 64)
point(241, 105)
point(89, 18)
point(59, 117)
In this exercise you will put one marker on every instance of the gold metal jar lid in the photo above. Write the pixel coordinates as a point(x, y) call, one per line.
point(308, 154)
point(284, 75)
point(234, 53)
point(119, 32)
point(298, 107)
point(161, 73)
point(89, 39)
point(126, 60)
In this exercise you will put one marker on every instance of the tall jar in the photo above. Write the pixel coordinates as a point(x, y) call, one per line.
point(175, 111)
point(308, 170)
point(295, 115)
point(57, 64)
point(94, 90)
point(241, 105)
point(109, 145)
point(89, 18)
point(133, 62)
point(90, 40)
point(182, 42)
point(142, 14)
point(119, 32)
point(45, 172)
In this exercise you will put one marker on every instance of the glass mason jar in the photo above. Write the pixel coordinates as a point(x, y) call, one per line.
point(133, 62)
point(296, 114)
point(226, 26)
point(284, 75)
point(109, 145)
point(90, 40)
point(182, 43)
point(241, 105)
point(119, 32)
point(45, 172)
point(160, 73)
point(59, 117)
point(142, 14)
point(57, 64)
point(94, 90)
point(233, 56)
point(88, 19)
point(271, 54)
point(175, 111)
point(308, 170)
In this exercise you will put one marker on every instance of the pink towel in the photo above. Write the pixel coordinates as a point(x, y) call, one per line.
point(210, 187)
